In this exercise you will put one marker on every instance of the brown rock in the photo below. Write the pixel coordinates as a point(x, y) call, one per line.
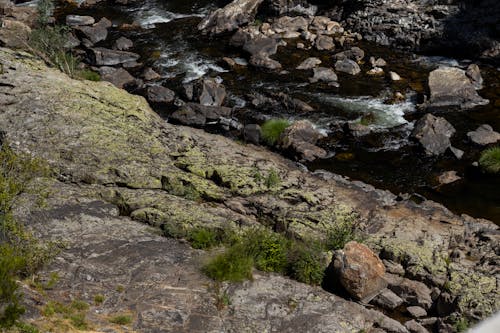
point(301, 137)
point(360, 271)
point(14, 34)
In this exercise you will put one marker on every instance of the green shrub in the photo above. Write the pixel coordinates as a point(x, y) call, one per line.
point(202, 238)
point(232, 265)
point(272, 129)
point(268, 250)
point(26, 328)
point(10, 265)
point(121, 320)
point(45, 10)
point(306, 263)
point(79, 321)
point(99, 299)
point(87, 74)
point(490, 160)
point(272, 179)
point(340, 234)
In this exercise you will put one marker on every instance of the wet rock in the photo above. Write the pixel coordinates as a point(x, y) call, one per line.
point(324, 43)
point(261, 45)
point(394, 76)
point(416, 311)
point(193, 114)
point(357, 129)
point(379, 62)
point(252, 133)
point(347, 66)
point(360, 271)
point(262, 61)
point(108, 57)
point(386, 299)
point(309, 63)
point(230, 17)
point(449, 86)
point(212, 93)
point(159, 94)
point(288, 24)
point(375, 71)
point(280, 7)
point(14, 34)
point(412, 292)
point(123, 44)
point(78, 20)
point(484, 135)
point(474, 74)
point(448, 177)
point(117, 76)
point(445, 304)
point(150, 75)
point(355, 53)
point(323, 74)
point(301, 138)
point(415, 327)
point(95, 33)
point(457, 152)
point(434, 134)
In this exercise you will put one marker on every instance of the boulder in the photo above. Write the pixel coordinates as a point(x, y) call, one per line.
point(448, 177)
point(252, 133)
point(360, 271)
point(323, 74)
point(159, 94)
point(107, 57)
point(415, 327)
point(230, 17)
point(123, 44)
point(324, 43)
point(347, 66)
point(212, 93)
point(117, 76)
point(149, 74)
point(474, 74)
point(79, 20)
point(261, 45)
point(450, 86)
point(413, 293)
point(14, 34)
point(301, 138)
point(394, 76)
point(484, 135)
point(355, 53)
point(95, 33)
point(263, 61)
point(434, 134)
point(416, 311)
point(309, 63)
point(386, 299)
point(379, 62)
point(375, 71)
point(193, 114)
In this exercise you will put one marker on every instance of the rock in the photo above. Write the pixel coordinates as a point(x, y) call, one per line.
point(415, 327)
point(445, 304)
point(159, 94)
point(386, 299)
point(107, 57)
point(150, 75)
point(448, 177)
point(434, 134)
point(252, 133)
point(301, 137)
point(323, 74)
point(375, 71)
point(357, 129)
point(309, 63)
point(449, 86)
point(360, 271)
point(416, 311)
point(412, 292)
point(393, 267)
point(347, 66)
point(392, 326)
point(123, 44)
point(96, 33)
point(474, 74)
point(117, 76)
point(301, 46)
point(280, 7)
point(212, 93)
point(286, 24)
point(14, 34)
point(265, 62)
point(324, 43)
point(355, 53)
point(78, 20)
point(394, 76)
point(484, 135)
point(457, 152)
point(264, 46)
point(379, 62)
point(193, 114)
point(230, 17)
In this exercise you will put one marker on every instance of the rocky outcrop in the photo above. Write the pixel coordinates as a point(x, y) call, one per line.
point(229, 18)
point(118, 166)
point(434, 134)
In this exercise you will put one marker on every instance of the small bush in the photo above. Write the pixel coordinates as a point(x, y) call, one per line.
point(306, 263)
point(10, 265)
point(340, 234)
point(79, 321)
point(268, 250)
point(232, 265)
point(121, 320)
point(272, 130)
point(202, 238)
point(99, 299)
point(87, 74)
point(79, 305)
point(272, 179)
point(490, 160)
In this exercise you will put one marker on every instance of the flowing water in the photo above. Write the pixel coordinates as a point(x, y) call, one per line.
point(386, 158)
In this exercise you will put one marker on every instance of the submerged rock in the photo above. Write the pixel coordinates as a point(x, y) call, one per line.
point(434, 134)
point(360, 271)
point(450, 86)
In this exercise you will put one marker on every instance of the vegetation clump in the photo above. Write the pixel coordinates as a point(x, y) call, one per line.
point(121, 319)
point(490, 160)
point(272, 129)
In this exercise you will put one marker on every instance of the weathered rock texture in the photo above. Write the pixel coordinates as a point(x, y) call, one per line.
point(116, 163)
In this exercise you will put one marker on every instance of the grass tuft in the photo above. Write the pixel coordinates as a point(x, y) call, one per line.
point(121, 319)
point(490, 160)
point(272, 130)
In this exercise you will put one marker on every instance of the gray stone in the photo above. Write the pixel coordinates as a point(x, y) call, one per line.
point(108, 57)
point(309, 63)
point(78, 20)
point(347, 66)
point(484, 135)
point(97, 32)
point(412, 292)
point(261, 61)
point(252, 133)
point(323, 74)
point(448, 177)
point(386, 299)
point(261, 46)
point(474, 74)
point(394, 76)
point(212, 93)
point(415, 327)
point(117, 76)
point(301, 137)
point(434, 134)
point(150, 74)
point(324, 43)
point(159, 94)
point(416, 311)
point(123, 44)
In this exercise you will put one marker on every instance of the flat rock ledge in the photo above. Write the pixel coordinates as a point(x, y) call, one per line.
point(116, 163)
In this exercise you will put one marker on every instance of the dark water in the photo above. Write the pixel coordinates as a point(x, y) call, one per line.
point(387, 159)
